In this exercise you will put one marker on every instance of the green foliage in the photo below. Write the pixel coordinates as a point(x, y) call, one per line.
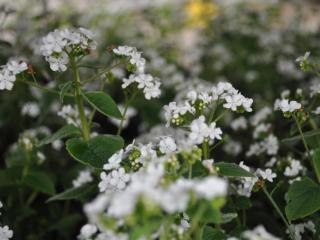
point(66, 131)
point(103, 103)
point(39, 181)
point(73, 193)
point(303, 199)
point(96, 151)
point(231, 170)
point(210, 233)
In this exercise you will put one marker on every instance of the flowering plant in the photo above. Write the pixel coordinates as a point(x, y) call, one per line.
point(132, 144)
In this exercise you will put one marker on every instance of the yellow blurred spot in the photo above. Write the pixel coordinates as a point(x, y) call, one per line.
point(201, 12)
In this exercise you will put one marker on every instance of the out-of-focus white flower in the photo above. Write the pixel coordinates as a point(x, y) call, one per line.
point(167, 145)
point(304, 57)
point(239, 123)
point(258, 232)
point(114, 181)
point(87, 231)
point(114, 161)
point(8, 73)
point(5, 233)
point(31, 109)
point(83, 178)
point(293, 169)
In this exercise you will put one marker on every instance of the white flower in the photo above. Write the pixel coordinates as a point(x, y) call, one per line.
point(31, 109)
point(1, 205)
point(135, 56)
point(271, 144)
point(5, 233)
point(167, 145)
point(15, 67)
point(114, 181)
point(303, 58)
point(114, 161)
point(211, 187)
point(56, 44)
point(317, 111)
point(299, 229)
point(6, 80)
point(258, 233)
point(271, 162)
point(83, 178)
point(58, 64)
point(239, 123)
point(208, 164)
point(267, 174)
point(200, 131)
point(87, 231)
point(287, 106)
point(294, 168)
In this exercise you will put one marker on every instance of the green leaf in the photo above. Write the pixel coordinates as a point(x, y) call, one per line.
point(96, 151)
point(307, 134)
point(228, 217)
point(303, 199)
point(39, 181)
point(231, 170)
point(210, 233)
point(103, 103)
point(66, 131)
point(72, 193)
point(241, 202)
point(10, 176)
point(316, 161)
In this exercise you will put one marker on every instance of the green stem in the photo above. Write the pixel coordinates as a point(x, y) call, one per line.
point(196, 219)
point(205, 150)
point(279, 212)
point(190, 171)
point(79, 101)
point(306, 147)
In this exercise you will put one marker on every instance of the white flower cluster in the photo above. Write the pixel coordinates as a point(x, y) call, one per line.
point(201, 131)
point(224, 92)
point(287, 106)
point(57, 46)
point(258, 232)
point(5, 232)
point(114, 181)
point(247, 183)
point(269, 145)
point(9, 72)
point(136, 58)
point(149, 85)
point(300, 228)
point(293, 169)
point(172, 198)
point(83, 178)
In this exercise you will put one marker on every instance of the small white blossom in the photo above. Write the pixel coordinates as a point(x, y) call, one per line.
point(287, 106)
point(114, 181)
point(293, 169)
point(267, 174)
point(83, 178)
point(114, 161)
point(167, 145)
point(31, 109)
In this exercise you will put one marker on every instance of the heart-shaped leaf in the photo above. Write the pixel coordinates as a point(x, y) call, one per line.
point(96, 151)
point(303, 199)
